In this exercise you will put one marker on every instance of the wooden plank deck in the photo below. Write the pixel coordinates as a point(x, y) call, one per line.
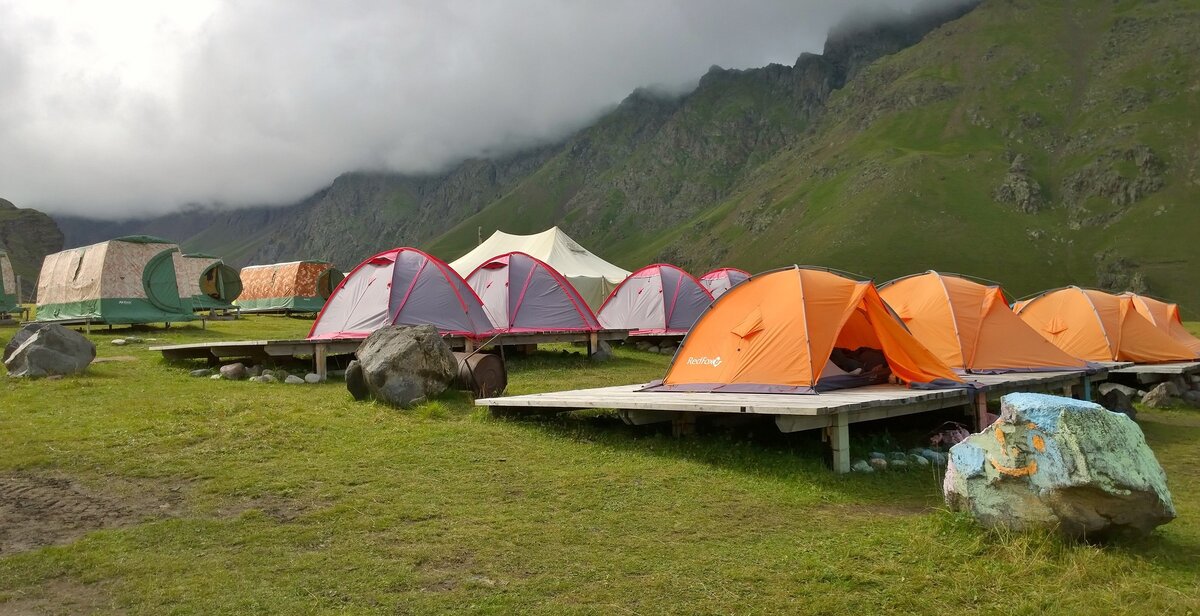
point(1169, 369)
point(322, 350)
point(832, 411)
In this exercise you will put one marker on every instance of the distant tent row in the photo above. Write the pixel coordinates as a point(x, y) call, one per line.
point(1099, 326)
point(9, 302)
point(208, 282)
point(297, 286)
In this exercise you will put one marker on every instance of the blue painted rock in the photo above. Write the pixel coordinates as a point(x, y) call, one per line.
point(1052, 462)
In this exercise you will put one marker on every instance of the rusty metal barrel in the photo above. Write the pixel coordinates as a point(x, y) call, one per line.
point(481, 373)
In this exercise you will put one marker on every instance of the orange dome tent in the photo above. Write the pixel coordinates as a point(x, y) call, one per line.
point(1098, 326)
point(1165, 316)
point(970, 327)
point(788, 330)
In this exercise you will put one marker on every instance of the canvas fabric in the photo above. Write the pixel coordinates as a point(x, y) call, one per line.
point(970, 327)
point(1099, 326)
point(718, 281)
point(657, 299)
point(1165, 316)
point(593, 278)
point(403, 286)
point(283, 286)
point(523, 294)
point(776, 333)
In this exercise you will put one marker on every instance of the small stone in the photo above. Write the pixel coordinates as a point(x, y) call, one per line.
point(254, 371)
point(201, 372)
point(917, 460)
point(861, 466)
point(667, 350)
point(898, 464)
point(916, 451)
point(896, 455)
point(1160, 396)
point(312, 378)
point(1192, 397)
point(652, 349)
point(876, 455)
point(268, 378)
point(215, 377)
point(293, 380)
point(602, 352)
point(118, 342)
point(234, 372)
point(133, 339)
point(1104, 388)
point(878, 464)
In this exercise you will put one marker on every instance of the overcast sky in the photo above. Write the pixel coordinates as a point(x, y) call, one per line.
point(113, 108)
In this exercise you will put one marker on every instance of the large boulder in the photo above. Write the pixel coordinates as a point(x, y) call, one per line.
point(405, 365)
point(1055, 462)
point(1161, 396)
point(48, 349)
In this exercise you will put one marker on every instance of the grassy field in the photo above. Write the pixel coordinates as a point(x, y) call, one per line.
point(140, 490)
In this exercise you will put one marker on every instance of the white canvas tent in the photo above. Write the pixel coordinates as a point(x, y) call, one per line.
point(592, 276)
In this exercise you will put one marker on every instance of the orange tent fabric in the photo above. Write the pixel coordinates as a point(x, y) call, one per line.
point(970, 327)
point(1099, 326)
point(1165, 316)
point(777, 331)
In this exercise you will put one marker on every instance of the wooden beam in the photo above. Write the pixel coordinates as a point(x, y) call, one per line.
point(839, 443)
point(320, 361)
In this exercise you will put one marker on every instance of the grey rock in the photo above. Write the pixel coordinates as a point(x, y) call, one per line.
point(1131, 392)
point(1192, 398)
point(1159, 397)
point(652, 349)
point(896, 455)
point(133, 339)
point(404, 365)
point(917, 460)
point(293, 380)
point(201, 372)
point(312, 378)
point(667, 350)
point(48, 349)
point(878, 464)
point(1117, 401)
point(253, 371)
point(876, 455)
point(268, 378)
point(118, 342)
point(603, 352)
point(861, 466)
point(234, 371)
point(356, 382)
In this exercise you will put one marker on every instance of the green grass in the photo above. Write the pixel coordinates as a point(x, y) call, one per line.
point(443, 509)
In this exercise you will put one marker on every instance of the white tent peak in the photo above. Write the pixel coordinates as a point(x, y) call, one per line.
point(592, 276)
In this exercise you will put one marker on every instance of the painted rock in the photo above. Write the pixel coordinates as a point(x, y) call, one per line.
point(1060, 463)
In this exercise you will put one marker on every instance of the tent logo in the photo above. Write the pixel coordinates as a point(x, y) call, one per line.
point(704, 361)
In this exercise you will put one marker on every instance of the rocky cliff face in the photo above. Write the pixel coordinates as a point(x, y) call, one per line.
point(28, 236)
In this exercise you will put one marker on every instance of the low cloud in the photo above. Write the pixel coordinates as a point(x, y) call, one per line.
point(113, 109)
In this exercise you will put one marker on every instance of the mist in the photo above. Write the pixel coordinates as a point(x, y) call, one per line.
point(130, 108)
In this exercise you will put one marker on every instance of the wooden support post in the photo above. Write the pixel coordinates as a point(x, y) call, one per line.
point(1068, 391)
point(839, 442)
point(320, 361)
point(683, 424)
point(981, 411)
point(468, 345)
point(593, 343)
point(1087, 388)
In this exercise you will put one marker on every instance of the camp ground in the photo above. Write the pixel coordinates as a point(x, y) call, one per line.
point(293, 287)
point(721, 280)
point(814, 350)
point(593, 277)
point(659, 300)
point(212, 285)
point(9, 301)
point(128, 280)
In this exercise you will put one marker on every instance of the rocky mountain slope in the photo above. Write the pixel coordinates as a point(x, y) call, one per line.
point(28, 236)
point(1038, 143)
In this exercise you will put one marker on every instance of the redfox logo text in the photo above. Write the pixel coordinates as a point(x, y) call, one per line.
point(704, 361)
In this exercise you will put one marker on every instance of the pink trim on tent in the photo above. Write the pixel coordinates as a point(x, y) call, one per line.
point(581, 307)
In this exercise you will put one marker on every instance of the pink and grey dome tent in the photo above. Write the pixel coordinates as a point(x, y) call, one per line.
point(402, 286)
point(521, 293)
point(723, 279)
point(657, 299)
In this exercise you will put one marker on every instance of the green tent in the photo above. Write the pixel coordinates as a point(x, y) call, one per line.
point(208, 281)
point(122, 281)
point(9, 302)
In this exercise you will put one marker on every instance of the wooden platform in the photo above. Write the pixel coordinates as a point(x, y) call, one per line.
point(832, 411)
point(1164, 370)
point(322, 350)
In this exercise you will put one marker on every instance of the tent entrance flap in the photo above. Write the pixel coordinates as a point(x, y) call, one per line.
point(160, 282)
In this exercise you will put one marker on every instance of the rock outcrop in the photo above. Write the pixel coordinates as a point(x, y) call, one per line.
point(48, 349)
point(28, 236)
point(1052, 462)
point(403, 365)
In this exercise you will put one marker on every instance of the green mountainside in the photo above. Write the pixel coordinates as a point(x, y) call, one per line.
point(1034, 142)
point(28, 236)
point(1038, 143)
